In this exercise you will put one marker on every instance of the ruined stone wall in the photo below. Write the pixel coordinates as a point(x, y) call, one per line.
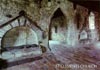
point(83, 22)
point(97, 21)
point(41, 11)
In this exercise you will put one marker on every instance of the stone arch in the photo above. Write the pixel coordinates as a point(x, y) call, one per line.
point(59, 17)
point(19, 35)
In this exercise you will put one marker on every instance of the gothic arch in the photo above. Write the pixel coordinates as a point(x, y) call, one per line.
point(19, 35)
point(58, 15)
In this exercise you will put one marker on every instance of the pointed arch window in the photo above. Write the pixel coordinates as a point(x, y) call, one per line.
point(91, 21)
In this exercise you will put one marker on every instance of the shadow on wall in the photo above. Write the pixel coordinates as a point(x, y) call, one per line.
point(3, 64)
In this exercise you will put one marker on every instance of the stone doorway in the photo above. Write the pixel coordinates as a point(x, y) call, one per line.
point(57, 27)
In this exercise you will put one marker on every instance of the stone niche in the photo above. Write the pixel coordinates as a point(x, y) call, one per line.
point(15, 40)
point(18, 36)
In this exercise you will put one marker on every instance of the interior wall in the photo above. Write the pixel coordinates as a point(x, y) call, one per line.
point(42, 12)
point(72, 33)
point(85, 20)
point(38, 11)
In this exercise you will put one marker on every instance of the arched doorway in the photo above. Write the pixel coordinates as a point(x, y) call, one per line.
point(20, 35)
point(57, 26)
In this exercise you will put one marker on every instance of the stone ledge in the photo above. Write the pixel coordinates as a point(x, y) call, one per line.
point(20, 54)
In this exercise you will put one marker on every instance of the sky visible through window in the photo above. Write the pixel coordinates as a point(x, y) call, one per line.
point(92, 21)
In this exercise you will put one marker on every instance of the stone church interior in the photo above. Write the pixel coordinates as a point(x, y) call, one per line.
point(49, 35)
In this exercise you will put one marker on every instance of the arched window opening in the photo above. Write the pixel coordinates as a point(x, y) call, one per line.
point(91, 21)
